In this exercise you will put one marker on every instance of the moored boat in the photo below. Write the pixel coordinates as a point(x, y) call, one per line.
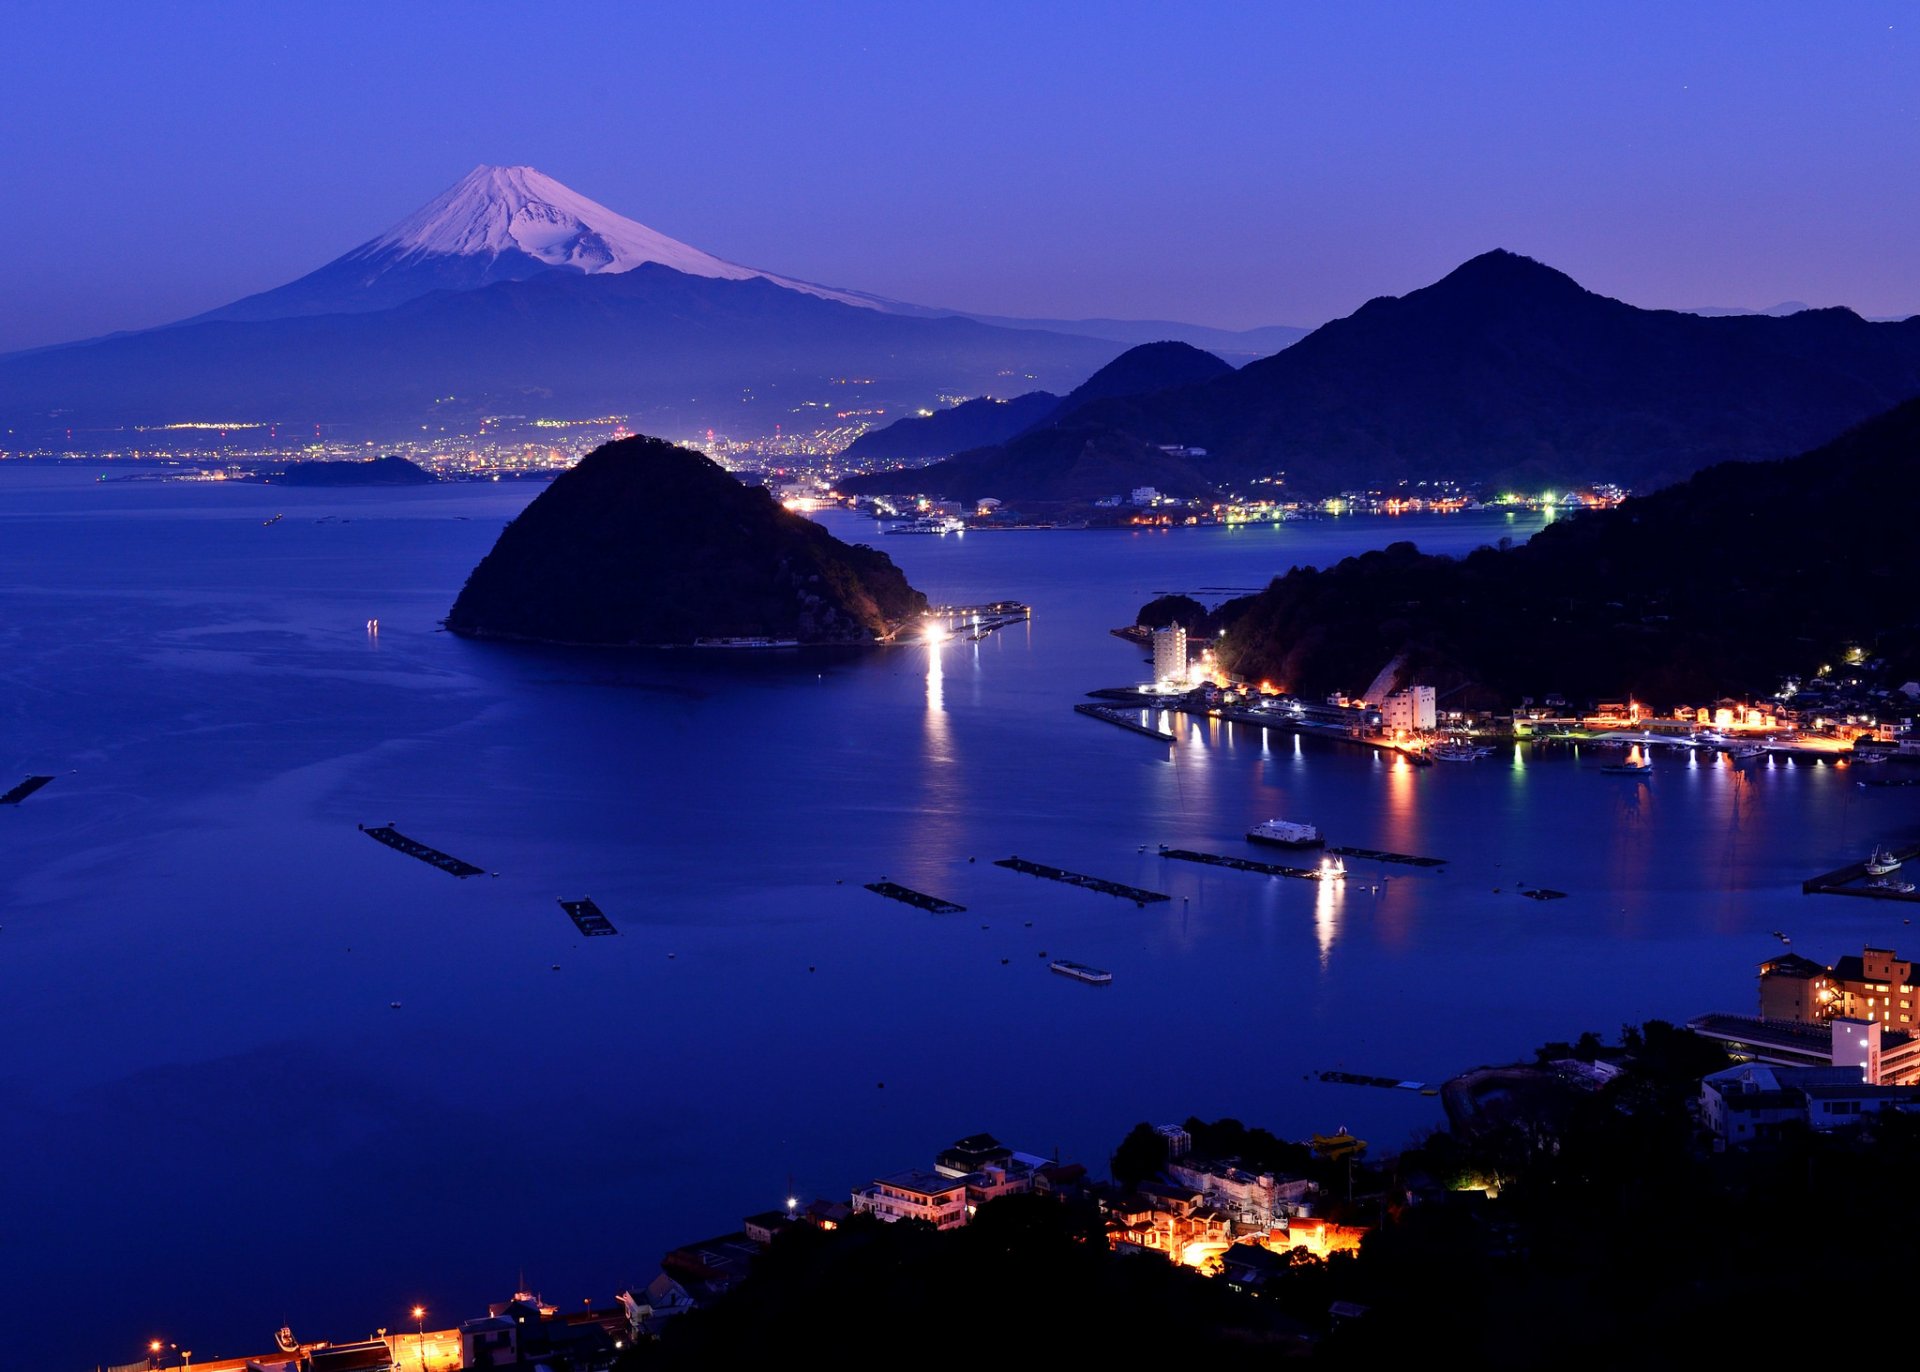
point(1629, 768)
point(1079, 971)
point(1285, 833)
point(1882, 862)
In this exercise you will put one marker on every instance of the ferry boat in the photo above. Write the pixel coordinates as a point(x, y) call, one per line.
point(1628, 768)
point(1079, 971)
point(1285, 833)
point(928, 524)
point(750, 642)
point(1882, 862)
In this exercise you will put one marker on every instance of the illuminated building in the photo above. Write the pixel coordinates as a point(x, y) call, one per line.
point(1409, 711)
point(1170, 655)
point(915, 1195)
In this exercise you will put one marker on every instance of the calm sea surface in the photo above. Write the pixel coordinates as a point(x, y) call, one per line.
point(215, 1119)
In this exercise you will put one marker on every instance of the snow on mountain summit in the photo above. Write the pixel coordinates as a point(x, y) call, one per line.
point(496, 210)
point(498, 224)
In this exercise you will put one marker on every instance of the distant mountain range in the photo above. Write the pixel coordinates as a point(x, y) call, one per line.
point(1504, 372)
point(1509, 371)
point(510, 293)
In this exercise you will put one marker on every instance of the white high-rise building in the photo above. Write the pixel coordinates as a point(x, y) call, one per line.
point(1411, 710)
point(1170, 654)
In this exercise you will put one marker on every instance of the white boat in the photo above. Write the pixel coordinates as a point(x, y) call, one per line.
point(1079, 971)
point(1285, 833)
point(1751, 753)
point(1893, 884)
point(929, 524)
point(1456, 750)
point(1882, 862)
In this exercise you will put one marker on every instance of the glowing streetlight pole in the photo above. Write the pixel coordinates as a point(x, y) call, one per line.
point(420, 1334)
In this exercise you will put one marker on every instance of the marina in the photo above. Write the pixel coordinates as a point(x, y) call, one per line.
point(413, 848)
point(23, 790)
point(1871, 877)
point(920, 900)
point(1238, 864)
point(1136, 894)
point(587, 918)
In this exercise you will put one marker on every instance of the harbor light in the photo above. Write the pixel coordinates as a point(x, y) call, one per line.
point(934, 633)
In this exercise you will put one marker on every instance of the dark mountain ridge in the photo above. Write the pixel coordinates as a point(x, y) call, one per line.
point(645, 543)
point(1507, 370)
point(1726, 583)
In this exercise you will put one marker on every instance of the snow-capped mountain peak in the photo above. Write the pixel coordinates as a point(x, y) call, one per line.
point(493, 212)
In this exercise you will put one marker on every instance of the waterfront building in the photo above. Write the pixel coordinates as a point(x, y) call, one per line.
point(1409, 711)
point(915, 1195)
point(1170, 655)
point(1752, 1102)
point(1255, 1202)
point(1877, 987)
point(1794, 988)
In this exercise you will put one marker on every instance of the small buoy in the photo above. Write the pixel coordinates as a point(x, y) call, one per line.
point(984, 926)
point(393, 1005)
point(496, 874)
point(973, 859)
point(556, 966)
point(1043, 952)
point(881, 1085)
point(1029, 924)
point(673, 955)
point(1005, 961)
point(809, 969)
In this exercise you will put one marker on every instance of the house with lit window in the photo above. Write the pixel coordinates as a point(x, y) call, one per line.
point(1754, 1102)
point(915, 1195)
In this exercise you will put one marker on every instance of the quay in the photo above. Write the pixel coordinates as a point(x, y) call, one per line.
point(920, 900)
point(1390, 1083)
point(1135, 894)
point(23, 790)
point(1839, 881)
point(1377, 855)
point(433, 857)
point(1272, 869)
point(587, 918)
point(1117, 716)
point(977, 621)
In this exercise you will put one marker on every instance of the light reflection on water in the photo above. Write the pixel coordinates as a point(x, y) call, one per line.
point(196, 932)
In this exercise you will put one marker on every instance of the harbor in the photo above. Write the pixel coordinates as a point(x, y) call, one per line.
point(1114, 715)
point(1859, 878)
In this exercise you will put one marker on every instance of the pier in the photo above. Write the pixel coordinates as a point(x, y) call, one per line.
point(1377, 855)
point(920, 900)
point(1389, 1083)
point(587, 918)
point(1106, 888)
point(433, 857)
point(975, 622)
point(1839, 882)
point(1115, 716)
point(23, 790)
point(1238, 864)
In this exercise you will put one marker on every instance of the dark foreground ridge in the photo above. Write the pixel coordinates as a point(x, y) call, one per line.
point(647, 544)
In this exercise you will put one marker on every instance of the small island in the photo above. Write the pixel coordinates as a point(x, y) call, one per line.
point(374, 471)
point(648, 544)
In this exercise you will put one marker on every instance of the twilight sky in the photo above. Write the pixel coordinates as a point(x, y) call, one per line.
point(1221, 163)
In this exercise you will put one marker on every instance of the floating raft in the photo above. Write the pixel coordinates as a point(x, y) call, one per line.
point(1119, 717)
point(587, 918)
point(1272, 869)
point(1542, 893)
point(23, 790)
point(1376, 855)
point(1390, 1083)
point(920, 900)
point(1100, 884)
point(433, 857)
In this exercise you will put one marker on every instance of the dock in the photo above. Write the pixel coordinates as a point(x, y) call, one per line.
point(587, 918)
point(1106, 888)
point(413, 848)
point(920, 900)
point(1377, 855)
point(23, 790)
point(1839, 882)
point(1117, 716)
point(1239, 864)
point(975, 622)
point(1357, 1079)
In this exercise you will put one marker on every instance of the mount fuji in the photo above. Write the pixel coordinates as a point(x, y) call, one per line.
point(499, 224)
